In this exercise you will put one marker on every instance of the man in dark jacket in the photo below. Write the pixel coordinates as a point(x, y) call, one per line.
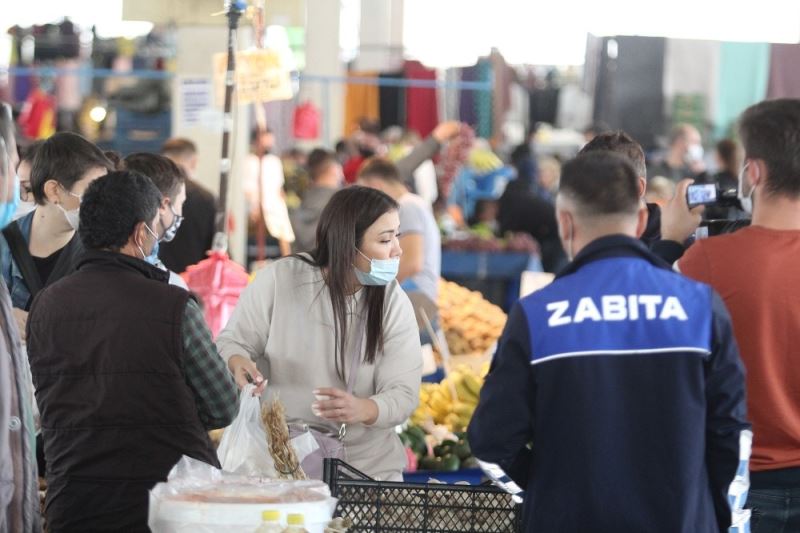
point(616, 396)
point(127, 377)
point(666, 230)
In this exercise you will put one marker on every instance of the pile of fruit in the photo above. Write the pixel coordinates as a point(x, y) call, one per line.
point(451, 402)
point(481, 239)
point(470, 323)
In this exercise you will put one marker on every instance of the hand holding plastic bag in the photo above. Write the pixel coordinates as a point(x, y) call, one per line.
point(244, 448)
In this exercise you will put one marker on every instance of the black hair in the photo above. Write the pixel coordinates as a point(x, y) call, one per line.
point(319, 160)
point(728, 152)
point(115, 158)
point(380, 168)
point(29, 152)
point(340, 232)
point(65, 157)
point(255, 132)
point(770, 131)
point(621, 143)
point(113, 205)
point(601, 183)
point(165, 174)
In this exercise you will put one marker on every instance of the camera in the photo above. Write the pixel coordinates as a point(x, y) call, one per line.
point(711, 194)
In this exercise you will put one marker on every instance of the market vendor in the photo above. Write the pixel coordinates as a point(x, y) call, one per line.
point(307, 323)
point(127, 377)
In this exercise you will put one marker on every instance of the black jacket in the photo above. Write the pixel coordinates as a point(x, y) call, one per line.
point(105, 348)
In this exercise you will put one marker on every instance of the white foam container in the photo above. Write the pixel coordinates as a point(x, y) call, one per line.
point(176, 516)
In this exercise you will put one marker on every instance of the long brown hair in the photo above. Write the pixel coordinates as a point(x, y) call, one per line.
point(340, 231)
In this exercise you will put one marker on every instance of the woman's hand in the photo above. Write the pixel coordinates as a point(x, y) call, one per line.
point(21, 318)
point(243, 368)
point(344, 408)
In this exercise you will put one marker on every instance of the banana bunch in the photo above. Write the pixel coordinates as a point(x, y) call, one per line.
point(451, 402)
point(484, 161)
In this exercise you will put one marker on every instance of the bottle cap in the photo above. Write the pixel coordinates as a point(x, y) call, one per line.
point(295, 520)
point(271, 516)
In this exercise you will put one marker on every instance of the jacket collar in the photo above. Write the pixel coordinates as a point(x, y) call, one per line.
point(103, 260)
point(612, 246)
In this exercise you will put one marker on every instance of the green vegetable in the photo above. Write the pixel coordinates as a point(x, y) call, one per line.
point(462, 450)
point(450, 463)
point(429, 463)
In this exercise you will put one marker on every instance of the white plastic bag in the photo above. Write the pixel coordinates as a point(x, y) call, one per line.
point(244, 448)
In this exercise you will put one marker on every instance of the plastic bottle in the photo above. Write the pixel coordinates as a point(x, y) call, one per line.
point(297, 524)
point(271, 522)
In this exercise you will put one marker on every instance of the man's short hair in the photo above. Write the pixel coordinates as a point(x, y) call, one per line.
point(601, 184)
point(113, 205)
point(380, 168)
point(165, 174)
point(65, 157)
point(679, 132)
point(178, 147)
point(621, 143)
point(770, 131)
point(319, 161)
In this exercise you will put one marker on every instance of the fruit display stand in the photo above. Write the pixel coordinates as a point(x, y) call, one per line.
point(491, 266)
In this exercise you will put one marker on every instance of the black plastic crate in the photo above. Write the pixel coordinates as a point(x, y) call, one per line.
point(382, 506)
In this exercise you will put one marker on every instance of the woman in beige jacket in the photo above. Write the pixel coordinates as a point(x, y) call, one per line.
point(300, 322)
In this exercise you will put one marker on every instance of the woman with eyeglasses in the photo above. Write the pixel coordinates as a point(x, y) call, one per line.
point(43, 246)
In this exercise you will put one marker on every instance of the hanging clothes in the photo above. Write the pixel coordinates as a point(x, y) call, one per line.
point(743, 78)
point(38, 116)
point(422, 114)
point(691, 81)
point(504, 75)
point(392, 99)
point(784, 75)
point(362, 101)
point(629, 93)
point(476, 106)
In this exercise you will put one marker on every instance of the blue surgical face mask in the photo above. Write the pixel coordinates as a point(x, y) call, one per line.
point(9, 207)
point(381, 271)
point(152, 257)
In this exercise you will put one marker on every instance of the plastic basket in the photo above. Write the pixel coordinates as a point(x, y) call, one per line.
point(379, 506)
point(472, 476)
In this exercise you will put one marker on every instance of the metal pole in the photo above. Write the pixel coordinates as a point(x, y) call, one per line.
point(234, 9)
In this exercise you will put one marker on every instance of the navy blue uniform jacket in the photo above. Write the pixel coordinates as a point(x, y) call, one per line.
point(616, 399)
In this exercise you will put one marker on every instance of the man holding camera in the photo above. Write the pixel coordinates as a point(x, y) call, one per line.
point(755, 272)
point(667, 229)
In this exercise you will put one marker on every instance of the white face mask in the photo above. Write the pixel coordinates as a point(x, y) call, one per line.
point(695, 152)
point(745, 200)
point(74, 216)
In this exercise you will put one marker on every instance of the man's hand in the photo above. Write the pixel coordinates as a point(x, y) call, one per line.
point(677, 221)
point(245, 371)
point(344, 408)
point(446, 131)
point(22, 321)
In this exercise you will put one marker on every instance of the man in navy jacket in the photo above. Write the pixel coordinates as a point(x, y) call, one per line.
point(617, 396)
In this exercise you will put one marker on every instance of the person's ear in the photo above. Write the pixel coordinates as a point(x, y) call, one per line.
point(642, 186)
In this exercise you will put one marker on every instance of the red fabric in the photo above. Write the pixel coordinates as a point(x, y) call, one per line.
point(37, 118)
point(422, 110)
point(306, 121)
point(351, 169)
point(218, 282)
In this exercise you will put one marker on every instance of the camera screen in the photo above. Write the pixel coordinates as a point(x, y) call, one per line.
point(702, 194)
